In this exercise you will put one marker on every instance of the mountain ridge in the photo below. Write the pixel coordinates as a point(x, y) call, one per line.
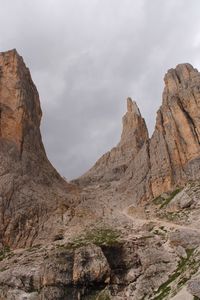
point(178, 167)
point(127, 228)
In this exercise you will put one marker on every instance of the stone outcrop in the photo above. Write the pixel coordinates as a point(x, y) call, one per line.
point(30, 188)
point(84, 273)
point(60, 276)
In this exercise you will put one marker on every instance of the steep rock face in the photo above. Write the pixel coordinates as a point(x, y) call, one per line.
point(175, 144)
point(172, 156)
point(20, 107)
point(20, 116)
point(113, 164)
point(30, 188)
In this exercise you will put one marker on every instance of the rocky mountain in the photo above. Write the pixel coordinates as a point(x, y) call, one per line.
point(171, 157)
point(31, 191)
point(126, 229)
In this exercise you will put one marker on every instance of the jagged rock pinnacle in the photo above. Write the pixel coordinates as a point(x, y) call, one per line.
point(179, 79)
point(134, 127)
point(132, 106)
point(134, 136)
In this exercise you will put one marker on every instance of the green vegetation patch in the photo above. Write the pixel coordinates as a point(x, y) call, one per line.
point(98, 236)
point(172, 195)
point(171, 216)
point(158, 200)
point(183, 264)
point(34, 248)
point(3, 269)
point(102, 236)
point(4, 252)
point(102, 295)
point(159, 232)
point(164, 201)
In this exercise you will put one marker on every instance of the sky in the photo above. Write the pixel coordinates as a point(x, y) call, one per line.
point(87, 56)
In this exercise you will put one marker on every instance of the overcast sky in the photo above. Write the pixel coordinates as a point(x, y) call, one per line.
point(87, 56)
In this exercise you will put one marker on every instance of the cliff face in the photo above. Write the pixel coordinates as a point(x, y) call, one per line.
point(127, 229)
point(148, 167)
point(20, 116)
point(30, 188)
point(20, 106)
point(174, 146)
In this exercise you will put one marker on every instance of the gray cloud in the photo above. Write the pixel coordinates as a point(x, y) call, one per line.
point(87, 56)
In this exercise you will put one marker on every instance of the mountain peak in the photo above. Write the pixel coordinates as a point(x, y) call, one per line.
point(134, 126)
point(19, 100)
point(132, 106)
point(28, 180)
point(134, 135)
point(179, 78)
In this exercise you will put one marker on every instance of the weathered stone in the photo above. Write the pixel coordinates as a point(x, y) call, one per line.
point(194, 287)
point(90, 264)
point(187, 238)
point(180, 201)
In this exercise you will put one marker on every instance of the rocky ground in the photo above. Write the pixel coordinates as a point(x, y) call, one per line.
point(150, 253)
point(126, 229)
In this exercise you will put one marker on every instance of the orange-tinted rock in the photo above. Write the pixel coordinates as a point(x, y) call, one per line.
point(20, 111)
point(31, 190)
point(174, 146)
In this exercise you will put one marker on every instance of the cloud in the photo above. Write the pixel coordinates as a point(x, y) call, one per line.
point(87, 56)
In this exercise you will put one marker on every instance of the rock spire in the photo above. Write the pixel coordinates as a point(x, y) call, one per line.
point(113, 164)
point(30, 188)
